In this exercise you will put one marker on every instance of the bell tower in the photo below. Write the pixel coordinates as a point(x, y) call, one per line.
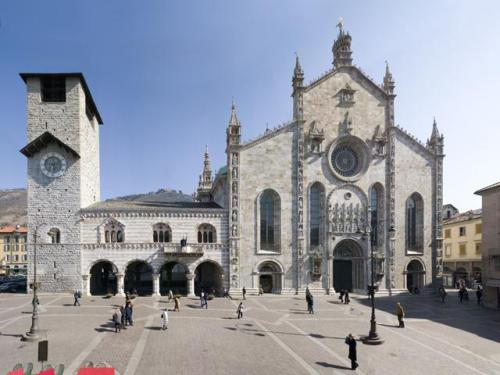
point(63, 173)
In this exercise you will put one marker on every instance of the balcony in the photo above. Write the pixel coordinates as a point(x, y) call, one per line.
point(168, 248)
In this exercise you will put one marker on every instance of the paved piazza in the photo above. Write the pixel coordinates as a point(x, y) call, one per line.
point(276, 336)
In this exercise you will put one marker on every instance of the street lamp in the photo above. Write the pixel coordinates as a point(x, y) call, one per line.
point(373, 337)
point(34, 332)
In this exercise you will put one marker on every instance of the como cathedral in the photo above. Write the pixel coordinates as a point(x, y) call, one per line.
point(344, 191)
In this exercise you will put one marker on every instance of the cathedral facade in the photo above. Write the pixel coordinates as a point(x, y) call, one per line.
point(317, 202)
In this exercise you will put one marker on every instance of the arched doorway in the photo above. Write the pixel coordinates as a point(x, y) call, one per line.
point(208, 278)
point(348, 266)
point(415, 274)
point(103, 278)
point(173, 277)
point(270, 277)
point(139, 278)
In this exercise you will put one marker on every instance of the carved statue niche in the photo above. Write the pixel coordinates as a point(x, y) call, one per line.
point(345, 126)
point(316, 137)
point(379, 141)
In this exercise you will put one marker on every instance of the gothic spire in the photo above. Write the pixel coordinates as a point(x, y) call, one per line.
point(389, 83)
point(233, 121)
point(342, 47)
point(436, 142)
point(435, 132)
point(298, 75)
point(205, 183)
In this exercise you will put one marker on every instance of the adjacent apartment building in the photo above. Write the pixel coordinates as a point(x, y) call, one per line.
point(13, 255)
point(462, 247)
point(491, 244)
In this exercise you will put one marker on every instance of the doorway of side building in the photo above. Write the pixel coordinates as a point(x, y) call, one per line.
point(208, 278)
point(139, 278)
point(103, 278)
point(415, 276)
point(173, 277)
point(270, 277)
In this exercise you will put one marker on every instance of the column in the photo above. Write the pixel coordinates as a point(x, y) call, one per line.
point(120, 284)
point(86, 285)
point(255, 280)
point(156, 284)
point(222, 282)
point(329, 287)
point(190, 284)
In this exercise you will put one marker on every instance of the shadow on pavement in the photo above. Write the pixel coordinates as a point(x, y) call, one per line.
point(466, 316)
point(154, 328)
point(330, 365)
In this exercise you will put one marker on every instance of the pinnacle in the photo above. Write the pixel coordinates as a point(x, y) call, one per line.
point(233, 121)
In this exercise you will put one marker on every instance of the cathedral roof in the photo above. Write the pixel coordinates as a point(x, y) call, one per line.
point(487, 188)
point(42, 141)
point(137, 206)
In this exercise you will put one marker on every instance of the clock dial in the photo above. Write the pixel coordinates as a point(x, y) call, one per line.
point(53, 164)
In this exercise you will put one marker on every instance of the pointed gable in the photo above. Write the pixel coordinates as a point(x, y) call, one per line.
point(42, 141)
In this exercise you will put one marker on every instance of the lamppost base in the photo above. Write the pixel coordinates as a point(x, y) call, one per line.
point(31, 337)
point(372, 340)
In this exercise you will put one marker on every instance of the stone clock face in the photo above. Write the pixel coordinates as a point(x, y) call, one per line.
point(53, 164)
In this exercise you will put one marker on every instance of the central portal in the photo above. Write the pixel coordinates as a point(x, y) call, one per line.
point(348, 266)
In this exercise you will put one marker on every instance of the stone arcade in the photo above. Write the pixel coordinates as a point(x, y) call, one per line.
point(340, 179)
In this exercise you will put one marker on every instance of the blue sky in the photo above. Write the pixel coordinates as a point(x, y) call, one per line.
point(163, 74)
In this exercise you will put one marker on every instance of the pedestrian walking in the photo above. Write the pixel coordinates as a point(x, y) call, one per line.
point(164, 319)
point(261, 291)
point(129, 311)
point(170, 295)
point(122, 317)
point(310, 303)
point(116, 322)
point(202, 299)
point(353, 354)
point(205, 300)
point(341, 297)
point(442, 293)
point(461, 293)
point(400, 312)
point(346, 297)
point(176, 303)
point(77, 295)
point(479, 295)
point(244, 293)
point(239, 310)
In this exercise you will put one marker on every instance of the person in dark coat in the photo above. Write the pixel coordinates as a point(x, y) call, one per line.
point(341, 297)
point(461, 293)
point(479, 295)
point(244, 293)
point(116, 322)
point(400, 312)
point(346, 297)
point(205, 299)
point(353, 355)
point(442, 293)
point(77, 295)
point(310, 303)
point(122, 317)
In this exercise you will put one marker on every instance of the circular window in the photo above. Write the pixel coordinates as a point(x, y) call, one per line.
point(345, 161)
point(349, 158)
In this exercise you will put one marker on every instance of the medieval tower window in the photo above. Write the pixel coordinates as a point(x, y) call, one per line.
point(53, 89)
point(414, 223)
point(55, 235)
point(316, 195)
point(114, 231)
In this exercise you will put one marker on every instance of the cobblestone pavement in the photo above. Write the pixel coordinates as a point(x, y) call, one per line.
point(276, 336)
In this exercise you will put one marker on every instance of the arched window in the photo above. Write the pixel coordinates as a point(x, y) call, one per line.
point(376, 214)
point(207, 234)
point(270, 221)
point(55, 235)
point(162, 233)
point(414, 223)
point(316, 196)
point(114, 231)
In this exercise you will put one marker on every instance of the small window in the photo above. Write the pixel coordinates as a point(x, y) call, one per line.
point(447, 251)
point(206, 234)
point(478, 249)
point(447, 233)
point(479, 228)
point(55, 235)
point(463, 250)
point(119, 236)
point(462, 231)
point(53, 89)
